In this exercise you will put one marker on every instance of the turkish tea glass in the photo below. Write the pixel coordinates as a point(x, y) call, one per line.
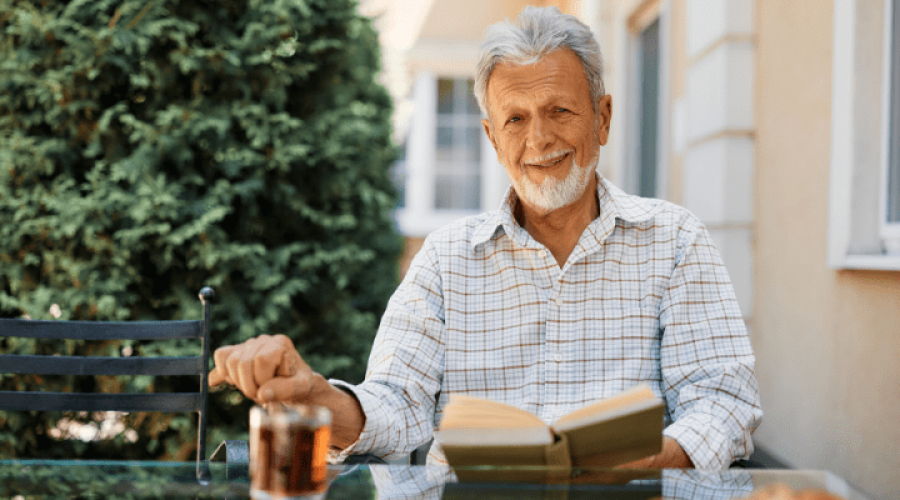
point(289, 452)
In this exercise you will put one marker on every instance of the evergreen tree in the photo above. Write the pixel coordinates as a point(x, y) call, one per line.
point(149, 148)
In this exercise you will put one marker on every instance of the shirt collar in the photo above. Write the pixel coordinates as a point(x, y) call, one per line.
point(627, 207)
point(500, 220)
point(614, 204)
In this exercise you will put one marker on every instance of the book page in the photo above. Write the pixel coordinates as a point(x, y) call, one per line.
point(632, 400)
point(470, 421)
point(467, 412)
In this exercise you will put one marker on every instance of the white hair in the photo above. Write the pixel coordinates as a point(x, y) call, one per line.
point(537, 32)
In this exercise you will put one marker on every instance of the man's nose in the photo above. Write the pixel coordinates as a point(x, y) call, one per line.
point(540, 134)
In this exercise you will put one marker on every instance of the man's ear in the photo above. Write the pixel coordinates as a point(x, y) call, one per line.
point(489, 130)
point(604, 117)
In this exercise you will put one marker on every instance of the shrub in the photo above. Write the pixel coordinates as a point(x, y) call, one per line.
point(150, 148)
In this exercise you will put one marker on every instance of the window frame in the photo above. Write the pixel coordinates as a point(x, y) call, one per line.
point(889, 231)
point(846, 220)
point(636, 18)
point(459, 123)
point(418, 216)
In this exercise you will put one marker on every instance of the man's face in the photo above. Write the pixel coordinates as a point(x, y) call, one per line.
point(544, 128)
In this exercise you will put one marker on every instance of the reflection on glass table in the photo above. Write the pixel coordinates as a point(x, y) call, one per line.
point(46, 479)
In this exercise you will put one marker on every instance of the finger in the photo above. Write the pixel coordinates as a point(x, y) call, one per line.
point(216, 377)
point(244, 369)
point(220, 357)
point(234, 370)
point(285, 389)
point(268, 361)
point(291, 362)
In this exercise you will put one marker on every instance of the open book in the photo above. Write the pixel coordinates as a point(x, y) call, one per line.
point(607, 433)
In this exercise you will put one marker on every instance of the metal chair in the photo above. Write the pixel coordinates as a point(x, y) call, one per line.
point(107, 365)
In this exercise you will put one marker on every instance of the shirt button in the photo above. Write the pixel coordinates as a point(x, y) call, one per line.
point(542, 254)
point(557, 357)
point(559, 301)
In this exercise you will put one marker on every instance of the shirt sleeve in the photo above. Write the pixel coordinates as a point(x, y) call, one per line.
point(706, 360)
point(405, 366)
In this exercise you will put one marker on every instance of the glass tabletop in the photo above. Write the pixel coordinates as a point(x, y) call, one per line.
point(70, 479)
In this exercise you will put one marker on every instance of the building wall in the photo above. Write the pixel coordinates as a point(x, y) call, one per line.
point(677, 93)
point(719, 132)
point(751, 82)
point(411, 247)
point(827, 342)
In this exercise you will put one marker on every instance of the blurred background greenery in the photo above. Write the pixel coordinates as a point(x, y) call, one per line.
point(150, 148)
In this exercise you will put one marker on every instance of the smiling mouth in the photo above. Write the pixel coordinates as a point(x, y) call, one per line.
point(552, 161)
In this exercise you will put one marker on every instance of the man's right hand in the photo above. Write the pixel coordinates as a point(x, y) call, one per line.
point(266, 368)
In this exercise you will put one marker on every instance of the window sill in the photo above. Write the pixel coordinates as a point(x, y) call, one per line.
point(870, 263)
point(420, 224)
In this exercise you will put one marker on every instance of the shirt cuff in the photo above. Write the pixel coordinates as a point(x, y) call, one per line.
point(335, 454)
point(704, 440)
point(374, 428)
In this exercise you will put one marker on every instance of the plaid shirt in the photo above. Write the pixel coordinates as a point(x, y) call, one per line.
point(485, 310)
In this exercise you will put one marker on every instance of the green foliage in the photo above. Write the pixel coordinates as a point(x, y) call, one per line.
point(149, 148)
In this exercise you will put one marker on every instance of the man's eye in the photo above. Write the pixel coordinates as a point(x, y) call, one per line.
point(514, 119)
point(562, 110)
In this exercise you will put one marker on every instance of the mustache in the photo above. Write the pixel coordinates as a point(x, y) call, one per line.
point(548, 157)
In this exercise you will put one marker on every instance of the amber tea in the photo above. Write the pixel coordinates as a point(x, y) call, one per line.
point(289, 451)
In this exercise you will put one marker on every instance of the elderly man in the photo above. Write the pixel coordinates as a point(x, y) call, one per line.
point(571, 292)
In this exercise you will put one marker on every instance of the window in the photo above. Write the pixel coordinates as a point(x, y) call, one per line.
point(448, 168)
point(643, 173)
point(458, 153)
point(890, 231)
point(398, 176)
point(648, 103)
point(864, 218)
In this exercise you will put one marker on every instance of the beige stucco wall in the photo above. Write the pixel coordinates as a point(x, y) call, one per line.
point(453, 30)
point(827, 342)
point(678, 67)
point(468, 19)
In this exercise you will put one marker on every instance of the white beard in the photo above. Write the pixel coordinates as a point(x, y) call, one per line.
point(553, 194)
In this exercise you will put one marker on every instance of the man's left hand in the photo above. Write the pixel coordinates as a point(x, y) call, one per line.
point(672, 456)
